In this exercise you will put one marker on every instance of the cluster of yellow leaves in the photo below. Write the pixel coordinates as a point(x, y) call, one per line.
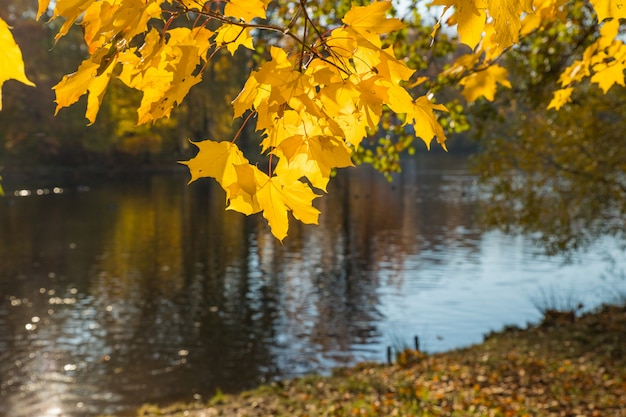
point(490, 27)
point(312, 107)
point(604, 61)
point(312, 110)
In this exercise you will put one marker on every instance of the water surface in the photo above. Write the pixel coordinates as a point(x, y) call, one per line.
point(142, 289)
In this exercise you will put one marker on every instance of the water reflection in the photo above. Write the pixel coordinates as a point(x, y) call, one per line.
point(146, 290)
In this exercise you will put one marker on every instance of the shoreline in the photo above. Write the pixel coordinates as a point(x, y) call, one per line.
point(563, 366)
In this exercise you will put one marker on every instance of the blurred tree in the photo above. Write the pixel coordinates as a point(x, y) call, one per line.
point(558, 176)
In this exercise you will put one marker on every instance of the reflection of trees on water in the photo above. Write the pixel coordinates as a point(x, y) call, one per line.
point(174, 296)
point(561, 176)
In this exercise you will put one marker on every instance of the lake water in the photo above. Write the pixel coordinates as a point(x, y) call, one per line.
point(114, 293)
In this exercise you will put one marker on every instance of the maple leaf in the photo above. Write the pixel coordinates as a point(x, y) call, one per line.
point(246, 10)
point(606, 75)
point(371, 21)
point(320, 154)
point(470, 20)
point(233, 36)
point(606, 9)
point(242, 194)
point(483, 83)
point(299, 167)
point(249, 97)
point(506, 21)
point(561, 97)
point(254, 191)
point(277, 198)
point(182, 81)
point(11, 62)
point(424, 121)
point(86, 80)
point(215, 160)
point(71, 10)
point(42, 8)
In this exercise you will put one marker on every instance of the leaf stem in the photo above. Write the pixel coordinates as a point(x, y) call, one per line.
point(243, 125)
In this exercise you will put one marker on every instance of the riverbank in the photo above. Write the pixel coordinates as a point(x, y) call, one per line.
point(564, 366)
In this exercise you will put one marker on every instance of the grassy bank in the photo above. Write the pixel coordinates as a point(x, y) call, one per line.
point(564, 366)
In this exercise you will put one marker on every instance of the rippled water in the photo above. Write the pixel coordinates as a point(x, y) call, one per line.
point(116, 293)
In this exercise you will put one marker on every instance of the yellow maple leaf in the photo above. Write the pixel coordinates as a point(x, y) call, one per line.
point(320, 154)
point(470, 20)
point(215, 160)
point(89, 78)
point(233, 36)
point(561, 96)
point(92, 24)
point(606, 9)
point(246, 10)
point(254, 191)
point(96, 89)
point(11, 62)
point(43, 7)
point(483, 83)
point(248, 97)
point(424, 121)
point(608, 74)
point(71, 11)
point(301, 167)
point(242, 194)
point(371, 21)
point(276, 199)
point(506, 15)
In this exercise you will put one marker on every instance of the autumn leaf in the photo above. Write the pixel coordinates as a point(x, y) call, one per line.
point(11, 63)
point(277, 199)
point(606, 9)
point(233, 36)
point(560, 98)
point(425, 122)
point(42, 8)
point(215, 160)
point(71, 11)
point(506, 15)
point(86, 80)
point(242, 193)
point(322, 152)
point(606, 75)
point(483, 83)
point(470, 20)
point(246, 10)
point(371, 21)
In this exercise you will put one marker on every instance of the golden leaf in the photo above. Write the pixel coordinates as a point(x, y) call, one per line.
point(43, 7)
point(371, 21)
point(89, 78)
point(246, 10)
point(470, 20)
point(425, 122)
point(215, 160)
point(606, 9)
point(483, 83)
point(277, 198)
point(561, 97)
point(233, 36)
point(11, 63)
